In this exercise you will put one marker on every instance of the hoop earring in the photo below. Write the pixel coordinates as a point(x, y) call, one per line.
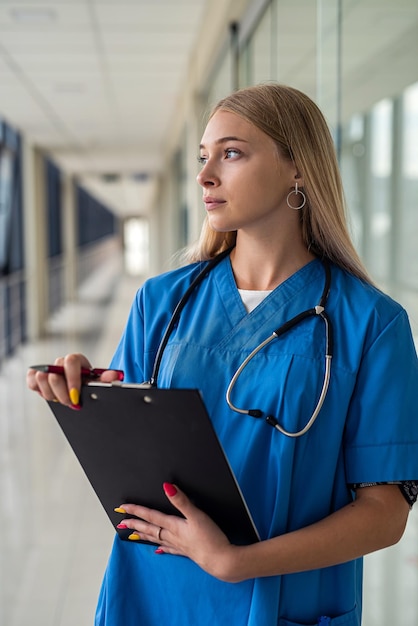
point(296, 191)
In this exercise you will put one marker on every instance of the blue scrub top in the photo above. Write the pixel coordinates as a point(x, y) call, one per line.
point(367, 431)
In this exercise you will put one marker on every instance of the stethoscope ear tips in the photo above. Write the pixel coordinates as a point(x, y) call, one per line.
point(255, 412)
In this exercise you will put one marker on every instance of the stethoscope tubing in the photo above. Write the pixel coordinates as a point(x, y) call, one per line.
point(318, 310)
point(177, 312)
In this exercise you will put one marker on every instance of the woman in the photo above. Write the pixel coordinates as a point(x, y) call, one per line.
point(321, 500)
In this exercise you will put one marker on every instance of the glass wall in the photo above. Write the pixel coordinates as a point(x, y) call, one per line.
point(260, 57)
point(408, 226)
point(222, 82)
point(282, 46)
point(12, 279)
point(54, 235)
point(379, 116)
point(366, 164)
point(357, 60)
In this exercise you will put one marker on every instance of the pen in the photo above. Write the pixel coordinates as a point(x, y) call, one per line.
point(95, 372)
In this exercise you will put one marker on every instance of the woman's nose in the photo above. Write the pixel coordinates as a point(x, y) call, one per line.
point(207, 177)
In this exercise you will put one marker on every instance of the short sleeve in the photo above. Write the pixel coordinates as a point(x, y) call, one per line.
point(381, 441)
point(409, 489)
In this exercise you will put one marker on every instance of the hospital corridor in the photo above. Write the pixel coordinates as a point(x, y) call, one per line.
point(103, 105)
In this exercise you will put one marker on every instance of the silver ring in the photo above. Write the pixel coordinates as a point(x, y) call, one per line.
point(159, 533)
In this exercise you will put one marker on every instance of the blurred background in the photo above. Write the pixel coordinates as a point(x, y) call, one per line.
point(102, 106)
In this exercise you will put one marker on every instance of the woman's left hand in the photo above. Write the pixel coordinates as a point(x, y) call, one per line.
point(195, 536)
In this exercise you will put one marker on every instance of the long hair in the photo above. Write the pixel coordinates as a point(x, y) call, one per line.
point(301, 134)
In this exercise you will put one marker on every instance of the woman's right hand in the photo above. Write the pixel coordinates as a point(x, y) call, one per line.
point(64, 389)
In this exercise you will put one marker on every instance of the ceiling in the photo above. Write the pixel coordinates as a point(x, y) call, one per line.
point(100, 84)
point(96, 83)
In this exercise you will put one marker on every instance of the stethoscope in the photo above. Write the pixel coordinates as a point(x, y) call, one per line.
point(316, 311)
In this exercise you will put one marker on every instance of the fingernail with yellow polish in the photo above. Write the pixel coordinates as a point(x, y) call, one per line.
point(74, 396)
point(119, 509)
point(134, 537)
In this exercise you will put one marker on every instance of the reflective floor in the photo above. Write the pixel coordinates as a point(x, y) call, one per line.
point(55, 537)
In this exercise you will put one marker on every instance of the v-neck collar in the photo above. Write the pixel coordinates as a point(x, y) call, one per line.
point(276, 307)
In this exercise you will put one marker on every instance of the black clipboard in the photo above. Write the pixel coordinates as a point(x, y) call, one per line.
point(129, 439)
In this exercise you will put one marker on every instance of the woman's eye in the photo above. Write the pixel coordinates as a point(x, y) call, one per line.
point(231, 153)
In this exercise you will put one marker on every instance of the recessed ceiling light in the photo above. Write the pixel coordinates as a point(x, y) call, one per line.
point(33, 15)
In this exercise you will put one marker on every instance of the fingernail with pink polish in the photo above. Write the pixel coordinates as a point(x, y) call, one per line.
point(121, 526)
point(169, 489)
point(159, 551)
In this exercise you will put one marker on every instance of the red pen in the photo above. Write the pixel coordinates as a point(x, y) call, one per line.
point(95, 372)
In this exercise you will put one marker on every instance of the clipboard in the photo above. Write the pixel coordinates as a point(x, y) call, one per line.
point(129, 439)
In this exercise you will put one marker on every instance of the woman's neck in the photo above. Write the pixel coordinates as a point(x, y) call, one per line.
point(262, 266)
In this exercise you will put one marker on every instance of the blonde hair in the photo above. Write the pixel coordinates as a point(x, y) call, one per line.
point(301, 134)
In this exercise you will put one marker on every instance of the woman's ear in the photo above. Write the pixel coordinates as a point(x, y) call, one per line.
point(299, 179)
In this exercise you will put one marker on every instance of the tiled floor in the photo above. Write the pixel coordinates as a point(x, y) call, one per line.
point(55, 537)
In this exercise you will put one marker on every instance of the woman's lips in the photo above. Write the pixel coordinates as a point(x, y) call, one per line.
point(212, 203)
